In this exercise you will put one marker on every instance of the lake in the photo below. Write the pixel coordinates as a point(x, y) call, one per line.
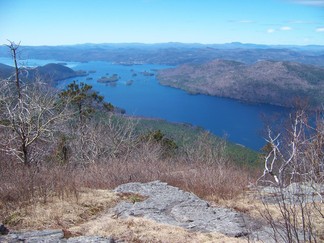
point(241, 123)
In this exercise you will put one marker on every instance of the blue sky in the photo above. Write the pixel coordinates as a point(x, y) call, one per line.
point(59, 22)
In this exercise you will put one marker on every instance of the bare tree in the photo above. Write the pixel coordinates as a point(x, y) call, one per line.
point(293, 168)
point(298, 156)
point(100, 140)
point(207, 150)
point(14, 48)
point(28, 117)
point(33, 118)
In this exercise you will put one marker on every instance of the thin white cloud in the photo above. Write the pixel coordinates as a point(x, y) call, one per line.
point(300, 22)
point(321, 29)
point(285, 28)
point(319, 3)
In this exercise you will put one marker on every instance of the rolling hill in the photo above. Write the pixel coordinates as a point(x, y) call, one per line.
point(51, 72)
point(273, 82)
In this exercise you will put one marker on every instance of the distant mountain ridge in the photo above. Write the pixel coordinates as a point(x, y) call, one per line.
point(51, 72)
point(271, 82)
point(172, 53)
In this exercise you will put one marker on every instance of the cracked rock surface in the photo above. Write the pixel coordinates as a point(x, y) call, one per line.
point(170, 205)
point(50, 236)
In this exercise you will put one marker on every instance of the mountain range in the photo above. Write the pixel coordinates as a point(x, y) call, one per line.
point(172, 53)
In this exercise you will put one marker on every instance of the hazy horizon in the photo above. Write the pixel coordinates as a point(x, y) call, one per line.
point(264, 22)
point(164, 43)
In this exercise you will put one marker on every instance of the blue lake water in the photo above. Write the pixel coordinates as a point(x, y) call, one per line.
point(241, 123)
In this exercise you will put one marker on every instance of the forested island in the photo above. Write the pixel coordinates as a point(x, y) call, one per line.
point(113, 78)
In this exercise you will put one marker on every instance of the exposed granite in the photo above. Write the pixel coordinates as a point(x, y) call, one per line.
point(170, 205)
point(50, 236)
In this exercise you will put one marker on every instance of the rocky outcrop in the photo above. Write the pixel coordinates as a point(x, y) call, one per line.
point(163, 204)
point(50, 236)
point(170, 205)
point(293, 193)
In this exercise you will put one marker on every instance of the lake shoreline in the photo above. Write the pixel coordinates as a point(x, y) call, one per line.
point(146, 97)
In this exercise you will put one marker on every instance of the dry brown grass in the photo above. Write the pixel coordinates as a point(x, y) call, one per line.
point(21, 185)
point(53, 196)
point(206, 181)
point(88, 215)
point(61, 213)
point(83, 212)
point(144, 230)
point(250, 203)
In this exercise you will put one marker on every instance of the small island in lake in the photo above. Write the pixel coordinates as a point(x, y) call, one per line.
point(146, 73)
point(111, 79)
point(129, 82)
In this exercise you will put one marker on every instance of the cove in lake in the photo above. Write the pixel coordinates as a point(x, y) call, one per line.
point(241, 123)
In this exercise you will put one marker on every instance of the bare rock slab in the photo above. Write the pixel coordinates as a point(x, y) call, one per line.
point(170, 205)
point(50, 236)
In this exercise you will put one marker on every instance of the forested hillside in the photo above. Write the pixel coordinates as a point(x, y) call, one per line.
point(50, 72)
point(280, 83)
